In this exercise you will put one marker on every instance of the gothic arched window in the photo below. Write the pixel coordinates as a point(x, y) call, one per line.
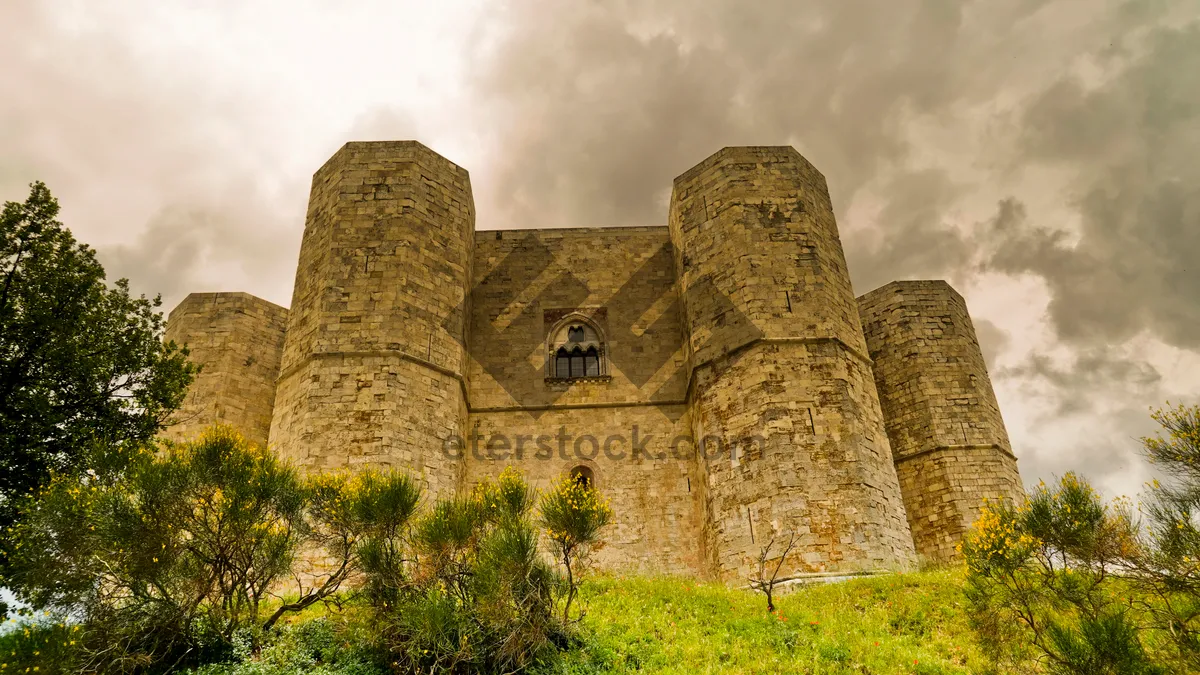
point(576, 351)
point(591, 362)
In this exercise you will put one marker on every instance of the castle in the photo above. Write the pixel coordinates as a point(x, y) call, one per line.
point(716, 377)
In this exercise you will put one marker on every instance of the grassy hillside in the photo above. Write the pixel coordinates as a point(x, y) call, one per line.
point(910, 623)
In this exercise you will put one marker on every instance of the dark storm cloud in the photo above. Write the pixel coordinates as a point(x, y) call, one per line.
point(149, 147)
point(1091, 371)
point(1132, 144)
point(599, 106)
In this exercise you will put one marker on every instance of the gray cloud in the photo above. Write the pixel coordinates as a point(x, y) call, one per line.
point(1098, 372)
point(599, 106)
point(129, 146)
point(993, 341)
point(1132, 144)
point(913, 239)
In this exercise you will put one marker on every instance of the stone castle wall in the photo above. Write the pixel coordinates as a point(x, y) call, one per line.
point(777, 354)
point(947, 436)
point(622, 281)
point(237, 340)
point(372, 370)
point(737, 398)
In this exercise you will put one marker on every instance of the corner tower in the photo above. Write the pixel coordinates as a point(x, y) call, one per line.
point(950, 446)
point(779, 371)
point(372, 369)
point(237, 340)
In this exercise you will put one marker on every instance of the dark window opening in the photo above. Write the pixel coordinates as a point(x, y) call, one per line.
point(577, 363)
point(582, 475)
point(579, 356)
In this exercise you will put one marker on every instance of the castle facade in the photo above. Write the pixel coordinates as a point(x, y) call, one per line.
point(715, 377)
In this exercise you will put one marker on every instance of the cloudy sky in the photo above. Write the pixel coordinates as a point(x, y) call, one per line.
point(1042, 156)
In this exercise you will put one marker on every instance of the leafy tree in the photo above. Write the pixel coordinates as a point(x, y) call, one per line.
point(82, 363)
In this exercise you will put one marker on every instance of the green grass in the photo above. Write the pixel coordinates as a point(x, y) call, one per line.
point(904, 623)
point(908, 623)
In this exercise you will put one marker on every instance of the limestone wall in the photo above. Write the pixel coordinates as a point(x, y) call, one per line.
point(642, 462)
point(778, 353)
point(621, 281)
point(372, 370)
point(237, 339)
point(948, 439)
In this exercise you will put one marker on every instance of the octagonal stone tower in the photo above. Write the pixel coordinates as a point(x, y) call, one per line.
point(783, 401)
point(372, 368)
point(236, 339)
point(949, 442)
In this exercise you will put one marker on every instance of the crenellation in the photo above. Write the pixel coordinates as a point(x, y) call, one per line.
point(727, 391)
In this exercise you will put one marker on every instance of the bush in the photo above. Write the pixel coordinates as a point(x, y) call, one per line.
point(1046, 573)
point(315, 647)
point(1087, 583)
point(573, 514)
point(39, 643)
point(174, 558)
point(1168, 567)
point(358, 522)
point(165, 560)
point(472, 593)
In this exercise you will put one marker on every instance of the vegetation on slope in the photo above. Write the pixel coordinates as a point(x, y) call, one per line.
point(904, 623)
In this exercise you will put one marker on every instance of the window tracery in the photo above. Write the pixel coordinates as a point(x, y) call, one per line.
point(576, 351)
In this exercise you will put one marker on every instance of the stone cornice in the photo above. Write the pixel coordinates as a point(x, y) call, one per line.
point(973, 446)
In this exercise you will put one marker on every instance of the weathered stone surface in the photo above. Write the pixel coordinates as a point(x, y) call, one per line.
point(237, 340)
point(756, 226)
point(622, 281)
point(372, 370)
point(732, 396)
point(947, 436)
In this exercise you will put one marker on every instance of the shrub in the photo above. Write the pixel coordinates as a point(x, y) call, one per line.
point(1045, 572)
point(166, 559)
point(174, 558)
point(473, 593)
point(573, 514)
point(1168, 569)
point(358, 521)
point(39, 643)
point(315, 647)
